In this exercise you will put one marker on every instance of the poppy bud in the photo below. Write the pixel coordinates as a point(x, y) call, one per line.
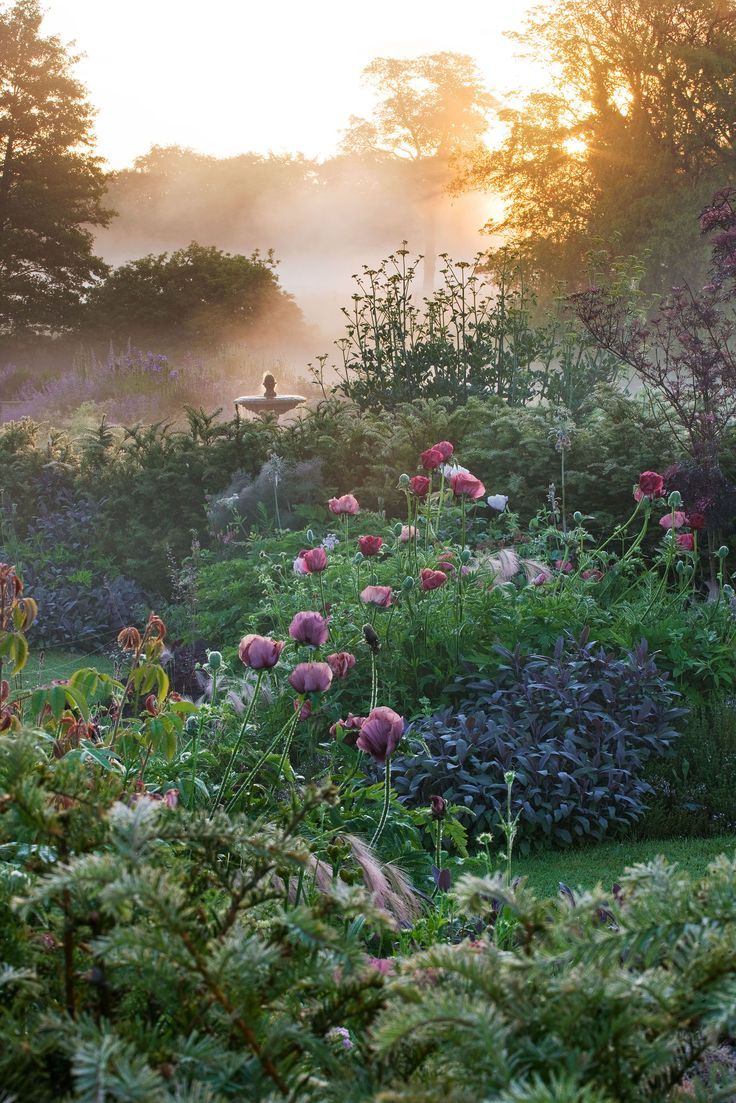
point(192, 725)
point(722, 552)
point(371, 638)
point(577, 516)
point(675, 500)
point(438, 807)
point(310, 536)
point(214, 660)
point(409, 583)
point(404, 481)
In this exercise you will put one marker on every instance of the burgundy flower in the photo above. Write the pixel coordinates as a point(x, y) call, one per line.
point(592, 575)
point(370, 545)
point(260, 652)
point(686, 541)
point(420, 485)
point(309, 628)
point(377, 595)
point(431, 580)
point(696, 521)
point(445, 448)
point(380, 734)
point(651, 485)
point(350, 727)
point(438, 807)
point(673, 520)
point(466, 485)
point(563, 565)
point(347, 504)
point(340, 663)
point(311, 678)
point(315, 560)
point(431, 459)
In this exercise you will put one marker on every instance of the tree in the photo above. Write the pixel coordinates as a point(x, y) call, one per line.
point(633, 128)
point(51, 183)
point(431, 109)
point(193, 297)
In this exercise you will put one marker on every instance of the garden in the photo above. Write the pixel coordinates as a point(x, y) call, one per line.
point(385, 753)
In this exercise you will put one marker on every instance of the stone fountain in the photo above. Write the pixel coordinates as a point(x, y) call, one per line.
point(269, 402)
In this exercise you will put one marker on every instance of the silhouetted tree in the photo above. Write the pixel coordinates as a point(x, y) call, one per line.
point(51, 184)
point(631, 133)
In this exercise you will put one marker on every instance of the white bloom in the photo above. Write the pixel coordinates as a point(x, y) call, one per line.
point(450, 469)
point(498, 501)
point(300, 566)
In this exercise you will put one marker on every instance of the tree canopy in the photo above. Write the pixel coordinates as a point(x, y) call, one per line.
point(633, 129)
point(192, 297)
point(51, 183)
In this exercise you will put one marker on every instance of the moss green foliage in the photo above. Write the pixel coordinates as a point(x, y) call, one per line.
point(153, 954)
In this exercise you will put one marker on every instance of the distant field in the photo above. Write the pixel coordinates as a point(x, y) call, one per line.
point(606, 862)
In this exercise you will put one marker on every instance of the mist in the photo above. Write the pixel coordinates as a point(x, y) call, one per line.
point(323, 220)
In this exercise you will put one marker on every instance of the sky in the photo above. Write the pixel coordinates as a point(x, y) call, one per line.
point(229, 76)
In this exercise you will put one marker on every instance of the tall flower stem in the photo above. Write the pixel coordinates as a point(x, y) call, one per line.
point(291, 728)
point(243, 790)
point(238, 742)
point(386, 802)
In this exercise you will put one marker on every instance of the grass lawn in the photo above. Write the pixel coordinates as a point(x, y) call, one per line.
point(43, 666)
point(606, 862)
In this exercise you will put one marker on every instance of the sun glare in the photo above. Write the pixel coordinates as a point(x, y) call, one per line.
point(575, 147)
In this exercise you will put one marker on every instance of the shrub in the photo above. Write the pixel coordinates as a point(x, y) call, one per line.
point(576, 728)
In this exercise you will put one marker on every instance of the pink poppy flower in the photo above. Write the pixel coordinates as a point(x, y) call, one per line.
point(315, 560)
point(431, 580)
point(380, 734)
point(686, 541)
point(350, 728)
point(370, 545)
point(311, 678)
point(377, 595)
point(445, 448)
point(347, 505)
point(300, 566)
point(408, 532)
point(541, 578)
point(304, 708)
point(311, 628)
point(420, 485)
point(563, 565)
point(669, 521)
point(467, 486)
point(431, 459)
point(340, 663)
point(259, 652)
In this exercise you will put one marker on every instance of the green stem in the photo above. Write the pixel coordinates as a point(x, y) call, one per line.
point(386, 802)
point(289, 737)
point(238, 742)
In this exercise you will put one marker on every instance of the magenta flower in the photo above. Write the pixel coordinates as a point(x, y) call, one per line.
point(347, 505)
point(408, 532)
point(686, 541)
point(340, 663)
point(303, 707)
point(309, 628)
point(673, 520)
point(563, 565)
point(259, 652)
point(351, 727)
point(445, 448)
point(315, 560)
point(651, 485)
point(380, 734)
point(377, 595)
point(431, 459)
point(311, 678)
point(467, 486)
point(300, 566)
point(420, 485)
point(370, 545)
point(431, 580)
